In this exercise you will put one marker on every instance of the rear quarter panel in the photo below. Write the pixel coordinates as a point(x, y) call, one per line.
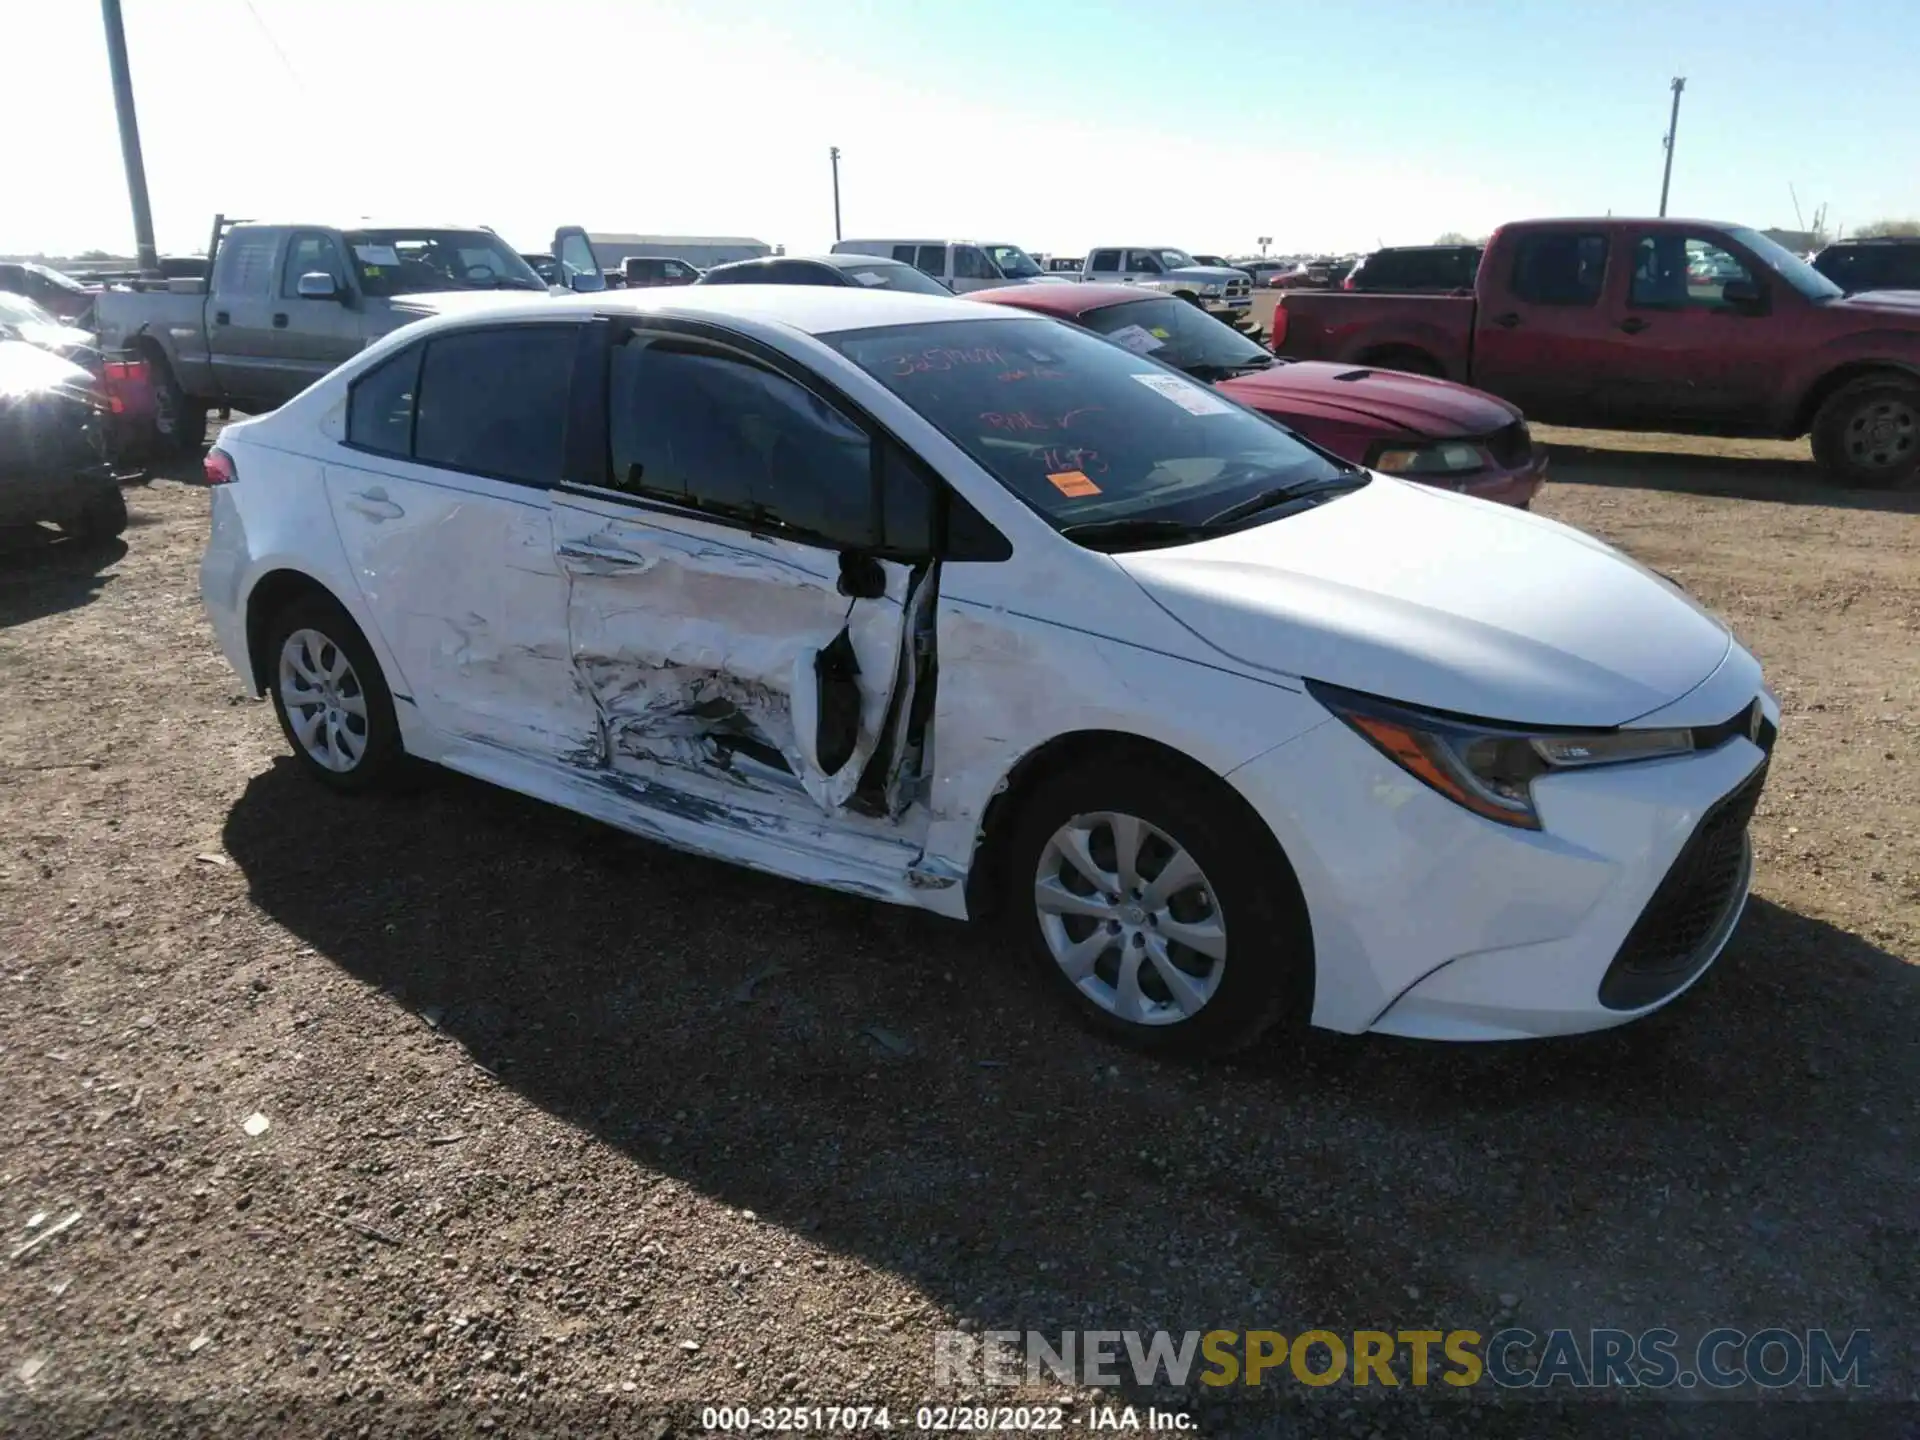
point(176, 323)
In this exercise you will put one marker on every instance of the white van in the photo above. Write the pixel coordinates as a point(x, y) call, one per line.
point(960, 265)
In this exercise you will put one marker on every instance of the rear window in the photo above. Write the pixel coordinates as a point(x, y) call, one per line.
point(246, 264)
point(1078, 427)
point(1559, 267)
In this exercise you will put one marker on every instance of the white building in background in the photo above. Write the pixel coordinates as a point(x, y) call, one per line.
point(609, 249)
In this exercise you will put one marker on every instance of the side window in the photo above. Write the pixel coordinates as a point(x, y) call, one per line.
point(245, 270)
point(904, 254)
point(1674, 272)
point(672, 270)
point(971, 263)
point(380, 405)
point(308, 251)
point(933, 260)
point(1559, 267)
point(703, 427)
point(494, 402)
point(1105, 262)
point(1143, 262)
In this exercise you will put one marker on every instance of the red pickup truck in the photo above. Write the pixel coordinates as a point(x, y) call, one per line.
point(1666, 325)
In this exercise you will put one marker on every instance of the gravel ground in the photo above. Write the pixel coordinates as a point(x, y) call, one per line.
point(566, 1131)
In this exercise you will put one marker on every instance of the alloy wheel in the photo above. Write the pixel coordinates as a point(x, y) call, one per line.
point(1130, 918)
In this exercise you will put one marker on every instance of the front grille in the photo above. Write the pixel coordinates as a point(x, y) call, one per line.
point(1676, 934)
point(1511, 446)
point(1239, 287)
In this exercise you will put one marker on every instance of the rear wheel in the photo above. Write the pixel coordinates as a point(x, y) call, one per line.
point(1868, 432)
point(333, 703)
point(179, 422)
point(1409, 362)
point(1164, 915)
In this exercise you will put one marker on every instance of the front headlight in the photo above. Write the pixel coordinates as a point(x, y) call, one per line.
point(1211, 288)
point(1445, 457)
point(1488, 769)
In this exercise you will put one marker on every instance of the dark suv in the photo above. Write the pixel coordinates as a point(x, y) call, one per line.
point(1416, 270)
point(1890, 262)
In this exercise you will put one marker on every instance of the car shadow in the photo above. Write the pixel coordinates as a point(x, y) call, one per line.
point(44, 573)
point(902, 1090)
point(1783, 481)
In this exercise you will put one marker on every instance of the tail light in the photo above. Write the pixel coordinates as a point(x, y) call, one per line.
point(219, 468)
point(123, 380)
point(1347, 284)
point(1277, 331)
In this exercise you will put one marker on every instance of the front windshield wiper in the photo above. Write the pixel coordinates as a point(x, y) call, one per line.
point(1099, 534)
point(1280, 494)
point(1208, 371)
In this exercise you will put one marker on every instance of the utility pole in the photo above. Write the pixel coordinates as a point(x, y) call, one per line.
point(129, 135)
point(1673, 128)
point(834, 152)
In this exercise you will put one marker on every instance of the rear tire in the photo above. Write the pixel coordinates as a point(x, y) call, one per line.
point(179, 422)
point(1199, 966)
point(333, 703)
point(1867, 434)
point(1408, 362)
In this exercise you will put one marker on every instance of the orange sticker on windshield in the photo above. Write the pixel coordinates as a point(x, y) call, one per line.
point(1073, 483)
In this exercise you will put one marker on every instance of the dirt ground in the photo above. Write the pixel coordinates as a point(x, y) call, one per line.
point(562, 1125)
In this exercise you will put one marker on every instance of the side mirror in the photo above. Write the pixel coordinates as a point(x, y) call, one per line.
point(582, 283)
point(1742, 295)
point(318, 285)
point(861, 577)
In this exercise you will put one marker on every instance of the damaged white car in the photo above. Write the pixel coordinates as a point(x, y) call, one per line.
point(963, 608)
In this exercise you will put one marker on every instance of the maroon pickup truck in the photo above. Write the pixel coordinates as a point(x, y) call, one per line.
point(1665, 325)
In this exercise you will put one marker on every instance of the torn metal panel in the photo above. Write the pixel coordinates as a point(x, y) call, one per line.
point(692, 639)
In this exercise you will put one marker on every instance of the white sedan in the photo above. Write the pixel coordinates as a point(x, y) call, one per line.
point(961, 608)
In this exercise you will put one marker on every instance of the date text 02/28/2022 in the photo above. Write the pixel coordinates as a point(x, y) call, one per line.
point(938, 1419)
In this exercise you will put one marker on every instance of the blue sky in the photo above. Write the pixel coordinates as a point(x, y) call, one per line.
point(1327, 126)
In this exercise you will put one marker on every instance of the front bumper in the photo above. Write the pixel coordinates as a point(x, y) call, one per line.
point(1431, 922)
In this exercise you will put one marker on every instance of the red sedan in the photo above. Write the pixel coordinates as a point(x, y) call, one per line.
point(1412, 426)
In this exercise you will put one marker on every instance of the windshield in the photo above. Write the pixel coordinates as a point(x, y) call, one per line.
point(1080, 429)
point(18, 310)
point(406, 262)
point(1014, 262)
point(1176, 259)
point(1788, 266)
point(1179, 334)
point(55, 277)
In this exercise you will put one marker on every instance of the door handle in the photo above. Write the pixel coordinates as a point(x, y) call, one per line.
point(221, 317)
point(374, 504)
point(1633, 325)
point(1508, 320)
point(280, 320)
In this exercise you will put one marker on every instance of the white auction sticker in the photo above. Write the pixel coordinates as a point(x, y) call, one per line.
point(377, 254)
point(1188, 396)
point(867, 277)
point(1137, 338)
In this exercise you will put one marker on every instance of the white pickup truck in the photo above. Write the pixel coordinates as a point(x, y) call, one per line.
point(285, 304)
point(1217, 288)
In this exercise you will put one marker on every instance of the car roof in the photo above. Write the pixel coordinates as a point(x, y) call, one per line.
point(809, 309)
point(849, 261)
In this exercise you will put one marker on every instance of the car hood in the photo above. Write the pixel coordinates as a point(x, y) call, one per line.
point(1442, 601)
point(1210, 274)
point(1390, 399)
point(29, 371)
point(1880, 302)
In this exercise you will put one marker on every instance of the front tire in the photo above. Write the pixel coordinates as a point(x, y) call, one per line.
point(333, 703)
point(1161, 910)
point(1867, 435)
point(102, 518)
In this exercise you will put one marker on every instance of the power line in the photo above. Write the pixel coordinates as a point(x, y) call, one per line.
point(298, 78)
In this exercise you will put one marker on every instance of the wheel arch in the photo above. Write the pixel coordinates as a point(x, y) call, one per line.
point(271, 594)
point(1413, 359)
point(986, 875)
point(1832, 381)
